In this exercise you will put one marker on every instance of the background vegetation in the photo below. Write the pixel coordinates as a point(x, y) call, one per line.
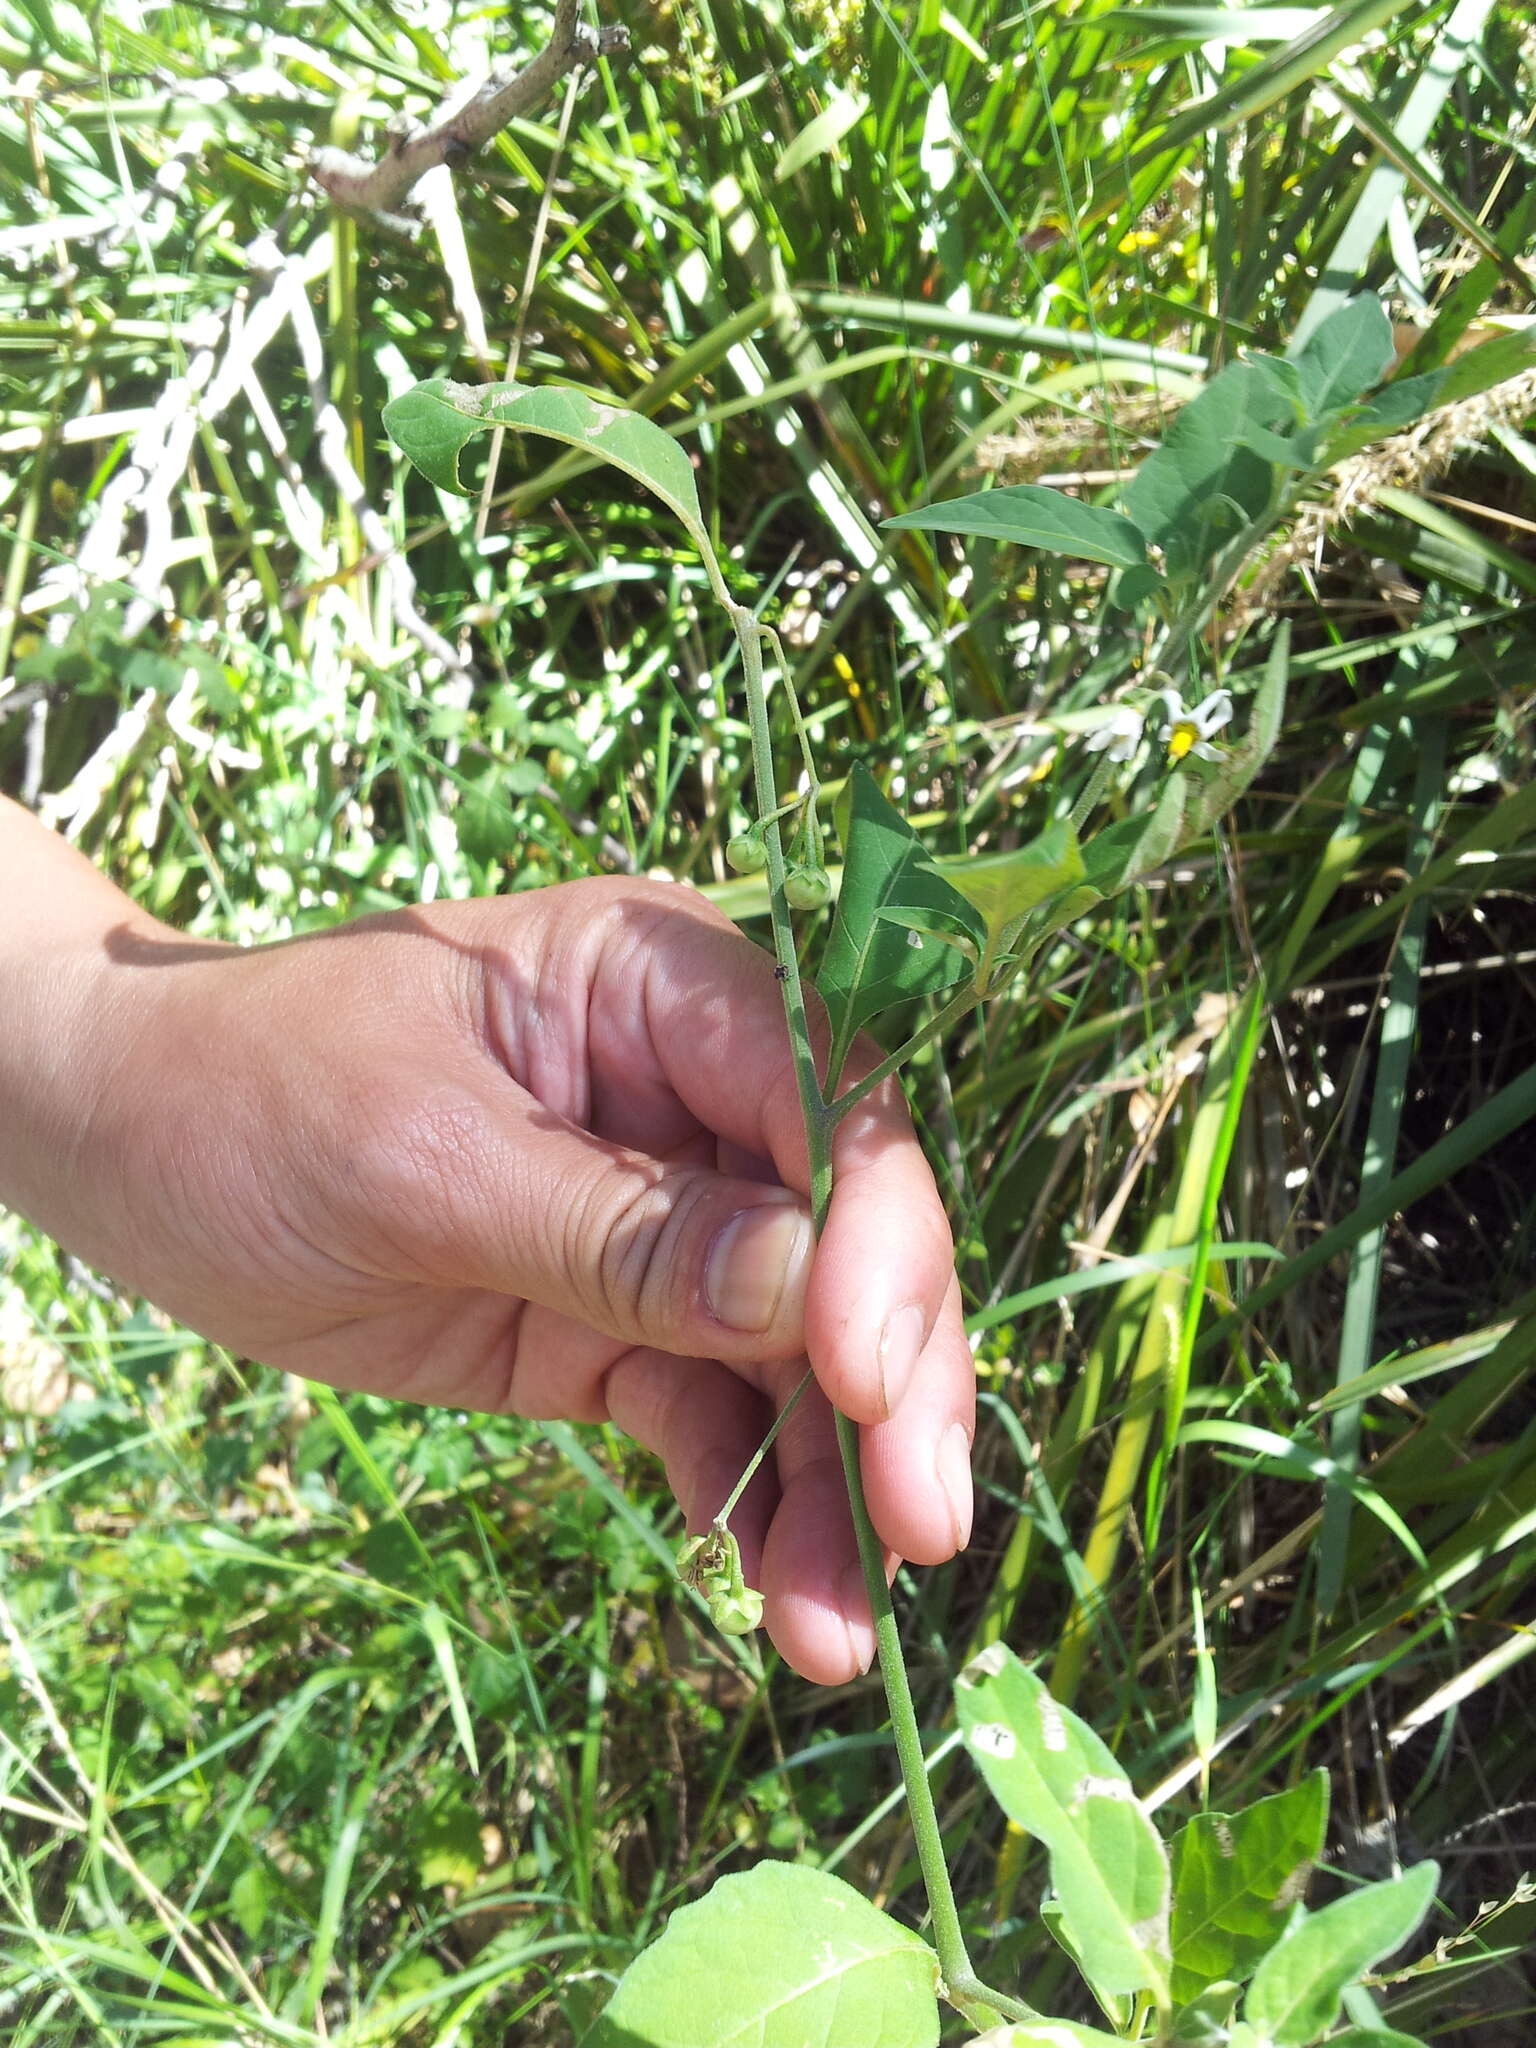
point(333, 1721)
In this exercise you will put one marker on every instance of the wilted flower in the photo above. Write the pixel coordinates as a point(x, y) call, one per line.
point(1187, 728)
point(1120, 734)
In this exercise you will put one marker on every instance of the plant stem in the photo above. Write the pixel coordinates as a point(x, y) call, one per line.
point(818, 1130)
point(757, 1457)
point(941, 1020)
point(960, 1982)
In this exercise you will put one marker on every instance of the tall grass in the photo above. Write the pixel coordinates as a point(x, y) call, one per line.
point(332, 1721)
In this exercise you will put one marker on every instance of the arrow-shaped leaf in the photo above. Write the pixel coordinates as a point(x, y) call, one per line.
point(870, 962)
point(1032, 517)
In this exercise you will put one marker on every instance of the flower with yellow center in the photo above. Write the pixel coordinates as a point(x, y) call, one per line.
point(1187, 729)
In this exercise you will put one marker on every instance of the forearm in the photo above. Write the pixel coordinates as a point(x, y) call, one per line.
point(67, 941)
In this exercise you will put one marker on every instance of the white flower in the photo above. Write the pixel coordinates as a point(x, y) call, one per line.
point(1120, 734)
point(1188, 728)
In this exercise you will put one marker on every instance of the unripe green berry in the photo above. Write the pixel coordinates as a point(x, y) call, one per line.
point(807, 888)
point(746, 853)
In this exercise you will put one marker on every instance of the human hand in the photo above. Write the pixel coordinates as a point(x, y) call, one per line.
point(545, 1155)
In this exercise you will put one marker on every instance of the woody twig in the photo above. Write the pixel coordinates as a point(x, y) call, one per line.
point(463, 123)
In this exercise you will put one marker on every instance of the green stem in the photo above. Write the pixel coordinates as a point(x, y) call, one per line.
point(757, 1457)
point(941, 1020)
point(961, 1984)
point(818, 1129)
point(1098, 782)
point(954, 1961)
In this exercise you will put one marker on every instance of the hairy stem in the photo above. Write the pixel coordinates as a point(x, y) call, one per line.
point(961, 1985)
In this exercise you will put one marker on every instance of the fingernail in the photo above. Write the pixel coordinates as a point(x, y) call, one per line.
point(952, 1466)
point(896, 1354)
point(853, 1599)
point(758, 1265)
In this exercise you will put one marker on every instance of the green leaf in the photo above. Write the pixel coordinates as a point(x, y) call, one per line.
point(1032, 517)
point(249, 1897)
point(934, 924)
point(843, 111)
point(1406, 400)
point(1054, 1778)
point(1395, 406)
point(1115, 857)
point(436, 1626)
point(1236, 1878)
point(1206, 2022)
point(1297, 1988)
point(445, 1844)
point(1490, 363)
point(1207, 480)
point(782, 1957)
point(1215, 24)
point(869, 963)
point(1004, 888)
point(434, 422)
point(1118, 2007)
point(1344, 355)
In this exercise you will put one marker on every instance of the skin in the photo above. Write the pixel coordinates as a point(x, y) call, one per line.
point(485, 1155)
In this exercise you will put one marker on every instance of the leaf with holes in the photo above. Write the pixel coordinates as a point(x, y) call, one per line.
point(1055, 1779)
point(434, 422)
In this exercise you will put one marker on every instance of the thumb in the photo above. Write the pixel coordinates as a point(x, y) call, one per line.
point(658, 1252)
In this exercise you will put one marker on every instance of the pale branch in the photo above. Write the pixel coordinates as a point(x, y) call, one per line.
point(464, 121)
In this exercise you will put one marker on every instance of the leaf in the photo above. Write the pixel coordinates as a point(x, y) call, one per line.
point(1115, 857)
point(1344, 355)
point(249, 1897)
point(1054, 1778)
point(1118, 2007)
point(445, 1844)
point(448, 1666)
point(869, 964)
point(434, 422)
point(934, 924)
point(1132, 587)
point(843, 111)
point(1491, 362)
point(1216, 24)
point(1395, 406)
point(781, 1957)
point(1236, 1878)
point(1032, 517)
point(1206, 2021)
point(1206, 458)
point(1005, 887)
point(1406, 400)
point(1297, 1988)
